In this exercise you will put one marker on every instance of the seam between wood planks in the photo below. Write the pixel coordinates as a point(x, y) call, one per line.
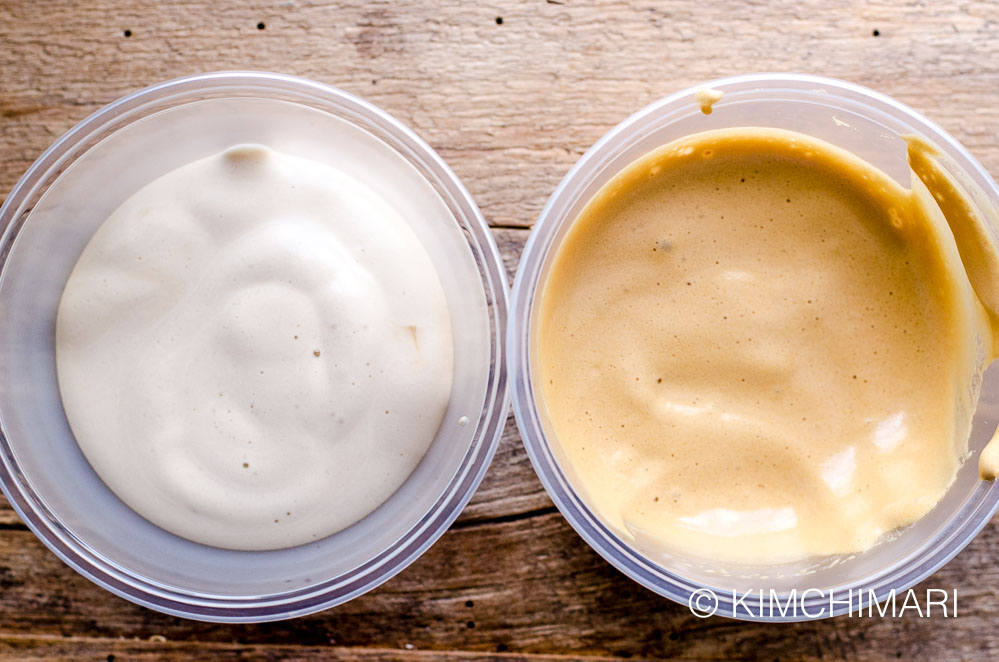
point(13, 526)
point(25, 640)
point(511, 226)
point(503, 519)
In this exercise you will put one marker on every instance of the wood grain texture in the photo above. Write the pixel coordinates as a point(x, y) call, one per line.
point(510, 105)
point(14, 649)
point(526, 585)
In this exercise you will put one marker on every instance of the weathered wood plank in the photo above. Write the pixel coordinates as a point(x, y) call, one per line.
point(510, 106)
point(17, 649)
point(529, 585)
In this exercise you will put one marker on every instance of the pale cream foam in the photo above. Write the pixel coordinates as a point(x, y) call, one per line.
point(706, 98)
point(753, 346)
point(254, 351)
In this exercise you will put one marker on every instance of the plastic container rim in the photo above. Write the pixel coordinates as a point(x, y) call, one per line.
point(910, 570)
point(207, 607)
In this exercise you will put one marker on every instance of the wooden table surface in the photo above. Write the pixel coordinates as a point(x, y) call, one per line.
point(510, 93)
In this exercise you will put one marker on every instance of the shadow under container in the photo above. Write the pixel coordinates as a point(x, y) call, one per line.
point(50, 216)
point(871, 126)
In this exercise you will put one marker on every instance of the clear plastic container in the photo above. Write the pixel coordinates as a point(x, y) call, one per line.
point(51, 214)
point(870, 125)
